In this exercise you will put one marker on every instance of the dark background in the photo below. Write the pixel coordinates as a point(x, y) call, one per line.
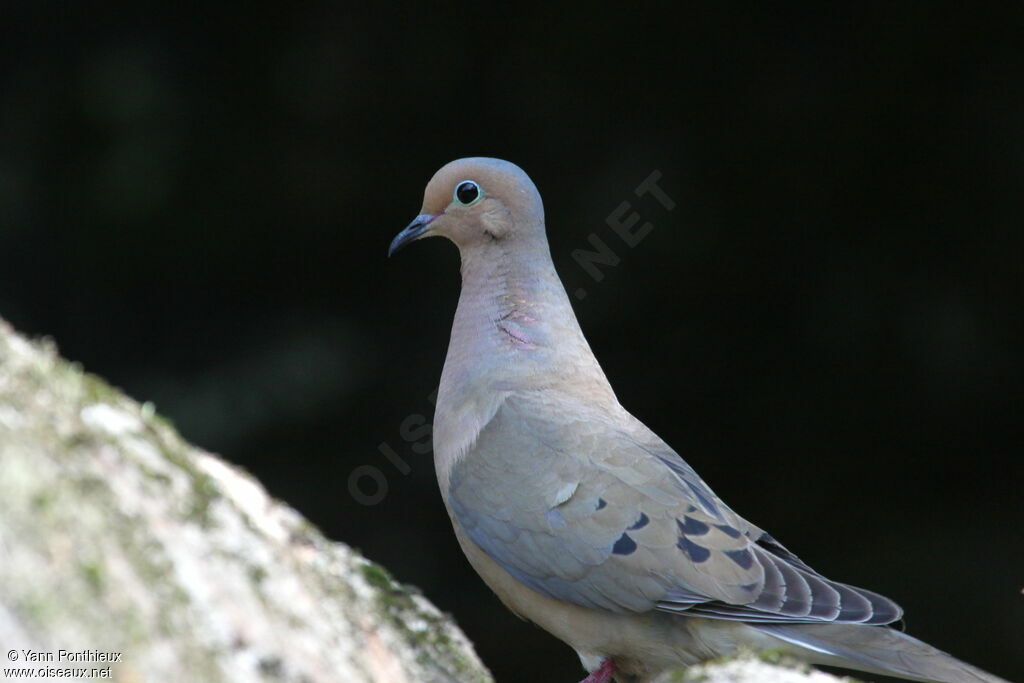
point(195, 202)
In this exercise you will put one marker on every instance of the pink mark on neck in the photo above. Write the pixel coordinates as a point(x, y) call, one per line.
point(516, 335)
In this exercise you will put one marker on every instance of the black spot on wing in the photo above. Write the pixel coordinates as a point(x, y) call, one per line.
point(696, 553)
point(601, 503)
point(692, 527)
point(640, 523)
point(624, 546)
point(743, 557)
point(728, 530)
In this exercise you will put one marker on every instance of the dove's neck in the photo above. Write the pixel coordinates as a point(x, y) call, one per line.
point(514, 330)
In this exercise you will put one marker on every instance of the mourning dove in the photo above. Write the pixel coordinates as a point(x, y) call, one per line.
point(576, 514)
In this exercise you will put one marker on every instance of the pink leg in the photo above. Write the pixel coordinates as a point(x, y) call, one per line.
point(602, 674)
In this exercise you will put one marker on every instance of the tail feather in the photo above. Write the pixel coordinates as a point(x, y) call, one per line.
point(876, 649)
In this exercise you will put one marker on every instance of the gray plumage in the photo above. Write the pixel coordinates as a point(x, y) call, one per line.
point(578, 516)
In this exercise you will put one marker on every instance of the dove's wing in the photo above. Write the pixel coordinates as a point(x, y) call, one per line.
point(603, 514)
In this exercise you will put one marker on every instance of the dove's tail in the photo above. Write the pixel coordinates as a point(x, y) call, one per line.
point(876, 649)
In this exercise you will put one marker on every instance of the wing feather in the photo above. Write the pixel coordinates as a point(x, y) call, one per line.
point(608, 516)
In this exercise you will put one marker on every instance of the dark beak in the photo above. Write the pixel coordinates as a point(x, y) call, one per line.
point(412, 232)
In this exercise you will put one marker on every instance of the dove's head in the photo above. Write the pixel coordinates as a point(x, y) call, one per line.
point(477, 202)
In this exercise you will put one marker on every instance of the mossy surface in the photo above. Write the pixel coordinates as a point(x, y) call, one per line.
point(128, 539)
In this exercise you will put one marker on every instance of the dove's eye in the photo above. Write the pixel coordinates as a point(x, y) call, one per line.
point(467, 192)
